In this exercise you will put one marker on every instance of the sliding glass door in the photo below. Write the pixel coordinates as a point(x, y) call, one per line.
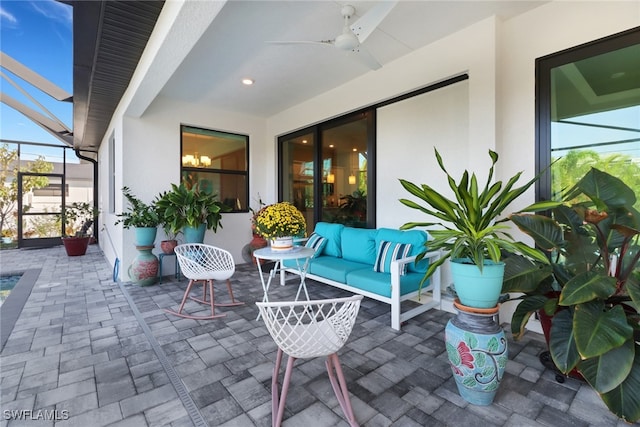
point(325, 171)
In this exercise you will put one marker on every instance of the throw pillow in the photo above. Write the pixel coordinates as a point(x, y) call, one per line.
point(317, 243)
point(390, 251)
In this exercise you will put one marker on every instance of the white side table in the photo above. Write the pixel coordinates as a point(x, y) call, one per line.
point(301, 254)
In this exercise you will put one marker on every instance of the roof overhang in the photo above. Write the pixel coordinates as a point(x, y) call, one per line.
point(109, 38)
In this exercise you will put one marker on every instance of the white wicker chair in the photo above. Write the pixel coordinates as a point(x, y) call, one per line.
point(306, 329)
point(205, 263)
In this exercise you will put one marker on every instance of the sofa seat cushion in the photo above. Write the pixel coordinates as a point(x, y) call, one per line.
point(380, 283)
point(330, 267)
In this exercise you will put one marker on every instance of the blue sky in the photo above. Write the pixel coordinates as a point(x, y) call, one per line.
point(39, 34)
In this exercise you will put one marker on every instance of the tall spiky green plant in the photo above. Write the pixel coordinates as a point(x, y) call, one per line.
point(469, 226)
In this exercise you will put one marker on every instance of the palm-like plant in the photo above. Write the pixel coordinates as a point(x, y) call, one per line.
point(469, 227)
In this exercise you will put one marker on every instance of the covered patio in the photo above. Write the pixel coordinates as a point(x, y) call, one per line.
point(92, 351)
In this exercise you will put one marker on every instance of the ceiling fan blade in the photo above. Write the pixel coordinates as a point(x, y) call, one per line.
point(321, 42)
point(364, 26)
point(363, 55)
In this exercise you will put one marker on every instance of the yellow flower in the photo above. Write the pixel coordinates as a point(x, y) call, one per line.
point(280, 220)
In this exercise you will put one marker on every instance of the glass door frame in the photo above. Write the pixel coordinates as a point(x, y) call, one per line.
point(41, 241)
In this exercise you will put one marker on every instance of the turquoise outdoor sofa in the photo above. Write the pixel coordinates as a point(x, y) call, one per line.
point(348, 257)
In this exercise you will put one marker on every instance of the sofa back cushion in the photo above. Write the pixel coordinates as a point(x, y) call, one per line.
point(359, 245)
point(416, 238)
point(331, 232)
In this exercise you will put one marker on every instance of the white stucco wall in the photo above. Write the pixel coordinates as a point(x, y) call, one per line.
point(498, 56)
point(150, 162)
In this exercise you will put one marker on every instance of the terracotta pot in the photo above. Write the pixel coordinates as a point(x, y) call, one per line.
point(75, 246)
point(257, 242)
point(168, 246)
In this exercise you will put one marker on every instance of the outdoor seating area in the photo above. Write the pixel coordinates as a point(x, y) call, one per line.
point(92, 351)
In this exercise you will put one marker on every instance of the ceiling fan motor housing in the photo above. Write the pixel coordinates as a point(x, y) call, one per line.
point(347, 41)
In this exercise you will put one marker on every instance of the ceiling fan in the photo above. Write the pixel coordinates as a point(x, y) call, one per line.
point(353, 35)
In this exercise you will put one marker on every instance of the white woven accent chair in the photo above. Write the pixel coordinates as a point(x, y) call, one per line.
point(205, 263)
point(306, 329)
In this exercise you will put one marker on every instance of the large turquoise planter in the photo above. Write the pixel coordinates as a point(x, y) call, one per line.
point(477, 350)
point(194, 234)
point(145, 236)
point(475, 288)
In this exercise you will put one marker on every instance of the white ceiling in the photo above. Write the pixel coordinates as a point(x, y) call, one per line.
point(234, 47)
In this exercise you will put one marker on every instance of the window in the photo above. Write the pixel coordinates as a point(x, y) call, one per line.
point(218, 162)
point(588, 113)
point(112, 173)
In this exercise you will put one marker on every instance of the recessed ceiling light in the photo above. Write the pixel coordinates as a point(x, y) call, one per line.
point(304, 141)
point(247, 82)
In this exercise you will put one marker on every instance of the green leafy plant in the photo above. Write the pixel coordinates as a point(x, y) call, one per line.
point(589, 284)
point(354, 203)
point(186, 205)
point(138, 213)
point(469, 226)
point(78, 219)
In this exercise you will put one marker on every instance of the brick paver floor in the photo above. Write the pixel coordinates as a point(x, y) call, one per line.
point(88, 351)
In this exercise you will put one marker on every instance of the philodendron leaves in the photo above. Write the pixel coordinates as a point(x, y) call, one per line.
point(523, 312)
point(598, 330)
point(624, 400)
point(587, 286)
point(562, 345)
point(606, 372)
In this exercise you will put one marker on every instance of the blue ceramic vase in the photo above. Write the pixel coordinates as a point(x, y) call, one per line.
point(477, 350)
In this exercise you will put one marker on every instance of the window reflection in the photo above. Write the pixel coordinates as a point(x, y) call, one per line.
point(218, 163)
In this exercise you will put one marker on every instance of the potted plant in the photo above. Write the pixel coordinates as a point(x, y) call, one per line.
point(279, 223)
point(589, 285)
point(7, 235)
point(169, 244)
point(190, 211)
point(354, 208)
point(78, 218)
point(142, 216)
point(257, 241)
point(470, 231)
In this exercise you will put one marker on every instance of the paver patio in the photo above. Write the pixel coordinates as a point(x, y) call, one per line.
point(94, 352)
